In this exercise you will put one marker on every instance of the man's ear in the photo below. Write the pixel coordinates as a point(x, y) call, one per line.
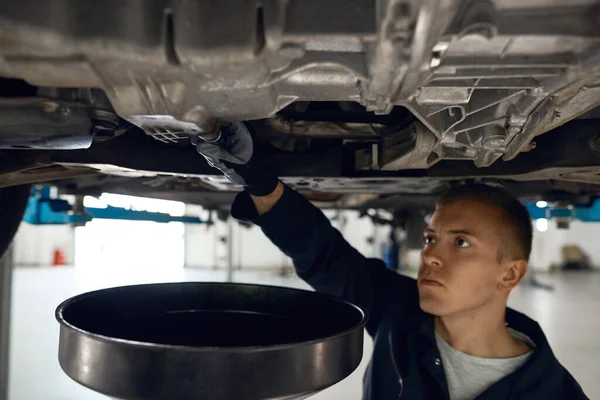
point(514, 272)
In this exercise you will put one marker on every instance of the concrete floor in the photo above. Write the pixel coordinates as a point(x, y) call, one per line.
point(569, 315)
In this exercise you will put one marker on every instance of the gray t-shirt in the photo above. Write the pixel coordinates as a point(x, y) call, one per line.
point(469, 376)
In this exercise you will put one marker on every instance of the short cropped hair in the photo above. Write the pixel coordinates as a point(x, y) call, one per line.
point(519, 233)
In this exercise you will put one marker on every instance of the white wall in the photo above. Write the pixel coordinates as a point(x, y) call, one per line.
point(546, 249)
point(129, 244)
point(205, 248)
point(34, 245)
point(201, 241)
point(252, 249)
point(586, 235)
point(357, 230)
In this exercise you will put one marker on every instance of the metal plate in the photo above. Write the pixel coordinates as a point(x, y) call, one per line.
point(483, 77)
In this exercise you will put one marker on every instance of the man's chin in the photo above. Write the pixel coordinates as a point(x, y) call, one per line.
point(432, 306)
point(429, 310)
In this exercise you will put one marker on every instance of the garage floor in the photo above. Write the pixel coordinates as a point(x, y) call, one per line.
point(569, 315)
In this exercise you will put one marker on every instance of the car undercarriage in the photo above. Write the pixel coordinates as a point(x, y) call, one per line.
point(357, 103)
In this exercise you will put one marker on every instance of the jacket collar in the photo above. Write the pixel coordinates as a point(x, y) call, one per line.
point(422, 323)
point(541, 362)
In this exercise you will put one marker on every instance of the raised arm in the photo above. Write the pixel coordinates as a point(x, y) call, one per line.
point(322, 257)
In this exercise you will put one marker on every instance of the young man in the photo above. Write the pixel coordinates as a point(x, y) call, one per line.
point(447, 335)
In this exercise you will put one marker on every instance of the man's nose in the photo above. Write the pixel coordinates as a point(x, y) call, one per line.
point(431, 256)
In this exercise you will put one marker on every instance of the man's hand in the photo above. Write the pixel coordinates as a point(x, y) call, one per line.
point(235, 155)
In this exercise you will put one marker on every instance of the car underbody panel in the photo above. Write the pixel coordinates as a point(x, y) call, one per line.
point(357, 99)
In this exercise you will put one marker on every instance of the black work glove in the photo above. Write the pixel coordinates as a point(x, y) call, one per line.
point(235, 155)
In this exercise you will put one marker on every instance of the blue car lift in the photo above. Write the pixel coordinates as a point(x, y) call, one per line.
point(45, 209)
point(568, 212)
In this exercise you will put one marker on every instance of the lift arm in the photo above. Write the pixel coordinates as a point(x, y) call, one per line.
point(564, 214)
point(44, 209)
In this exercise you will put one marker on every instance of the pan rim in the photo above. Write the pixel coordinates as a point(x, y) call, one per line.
point(207, 349)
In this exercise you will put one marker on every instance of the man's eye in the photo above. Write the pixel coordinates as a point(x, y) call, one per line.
point(428, 240)
point(462, 243)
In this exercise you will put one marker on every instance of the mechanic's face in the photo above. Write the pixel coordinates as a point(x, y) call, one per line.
point(459, 268)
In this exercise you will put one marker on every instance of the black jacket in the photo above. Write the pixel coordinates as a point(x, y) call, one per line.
point(406, 361)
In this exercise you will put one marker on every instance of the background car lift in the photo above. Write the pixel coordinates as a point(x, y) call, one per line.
point(43, 208)
point(5, 290)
